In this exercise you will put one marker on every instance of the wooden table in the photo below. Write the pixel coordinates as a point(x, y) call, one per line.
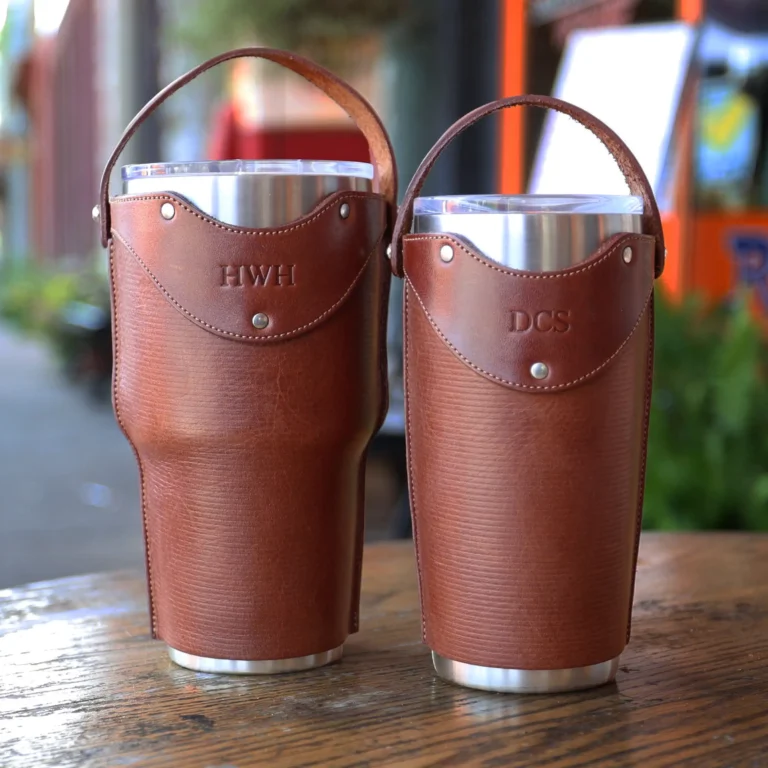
point(81, 683)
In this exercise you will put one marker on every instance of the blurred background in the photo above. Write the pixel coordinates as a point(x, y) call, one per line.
point(685, 82)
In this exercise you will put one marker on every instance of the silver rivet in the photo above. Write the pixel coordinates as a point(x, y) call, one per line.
point(389, 251)
point(539, 370)
point(167, 211)
point(446, 253)
point(344, 211)
point(96, 212)
point(627, 255)
point(260, 320)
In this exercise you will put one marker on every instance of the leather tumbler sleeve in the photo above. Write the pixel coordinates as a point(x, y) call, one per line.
point(526, 494)
point(251, 441)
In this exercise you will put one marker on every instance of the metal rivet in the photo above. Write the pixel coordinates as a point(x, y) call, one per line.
point(446, 253)
point(627, 255)
point(260, 320)
point(167, 211)
point(389, 251)
point(96, 212)
point(539, 370)
point(344, 211)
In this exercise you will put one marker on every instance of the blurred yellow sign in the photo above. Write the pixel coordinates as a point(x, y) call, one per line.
point(721, 125)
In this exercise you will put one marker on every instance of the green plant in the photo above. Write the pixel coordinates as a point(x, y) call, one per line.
point(24, 296)
point(708, 441)
point(33, 295)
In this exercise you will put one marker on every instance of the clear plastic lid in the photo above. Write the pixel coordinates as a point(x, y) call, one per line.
point(458, 204)
point(234, 167)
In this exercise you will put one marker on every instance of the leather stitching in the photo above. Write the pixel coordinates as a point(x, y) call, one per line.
point(385, 282)
point(527, 275)
point(241, 230)
point(641, 479)
point(411, 484)
point(115, 398)
point(516, 384)
point(265, 337)
point(381, 351)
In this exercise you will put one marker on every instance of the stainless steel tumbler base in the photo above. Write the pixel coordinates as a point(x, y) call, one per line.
point(525, 680)
point(266, 667)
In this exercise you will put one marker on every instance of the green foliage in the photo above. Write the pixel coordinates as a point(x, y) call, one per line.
point(319, 28)
point(708, 441)
point(33, 296)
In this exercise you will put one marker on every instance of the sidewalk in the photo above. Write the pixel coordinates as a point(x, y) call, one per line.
point(69, 499)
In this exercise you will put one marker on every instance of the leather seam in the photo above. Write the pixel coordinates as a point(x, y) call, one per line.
point(411, 483)
point(115, 397)
point(265, 338)
point(526, 275)
point(644, 461)
point(239, 230)
point(516, 384)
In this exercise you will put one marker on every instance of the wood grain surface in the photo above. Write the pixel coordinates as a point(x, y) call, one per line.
point(81, 683)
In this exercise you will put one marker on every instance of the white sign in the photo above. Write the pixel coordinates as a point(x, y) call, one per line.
point(632, 79)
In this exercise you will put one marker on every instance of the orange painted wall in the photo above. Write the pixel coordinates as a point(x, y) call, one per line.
point(713, 265)
point(672, 277)
point(691, 11)
point(513, 43)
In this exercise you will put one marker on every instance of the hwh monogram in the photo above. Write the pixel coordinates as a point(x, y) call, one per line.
point(234, 276)
point(557, 320)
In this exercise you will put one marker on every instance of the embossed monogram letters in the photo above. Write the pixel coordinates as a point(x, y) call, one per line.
point(557, 320)
point(243, 275)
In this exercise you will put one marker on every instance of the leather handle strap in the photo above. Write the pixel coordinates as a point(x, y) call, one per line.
point(343, 94)
point(633, 173)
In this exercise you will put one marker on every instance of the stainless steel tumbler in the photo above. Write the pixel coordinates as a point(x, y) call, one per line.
point(248, 325)
point(247, 193)
point(250, 193)
point(528, 361)
point(537, 234)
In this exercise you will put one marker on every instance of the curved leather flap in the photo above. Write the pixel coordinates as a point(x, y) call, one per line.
point(220, 277)
point(501, 322)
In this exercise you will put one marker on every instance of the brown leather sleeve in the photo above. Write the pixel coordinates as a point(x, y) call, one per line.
point(526, 494)
point(251, 443)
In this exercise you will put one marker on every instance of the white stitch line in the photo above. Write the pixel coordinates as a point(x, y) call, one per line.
point(515, 383)
point(644, 464)
point(525, 275)
point(265, 337)
point(409, 452)
point(252, 232)
point(145, 521)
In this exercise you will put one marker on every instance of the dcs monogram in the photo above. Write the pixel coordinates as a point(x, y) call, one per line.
point(557, 320)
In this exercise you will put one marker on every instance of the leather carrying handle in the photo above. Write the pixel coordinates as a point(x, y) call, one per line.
point(343, 94)
point(633, 173)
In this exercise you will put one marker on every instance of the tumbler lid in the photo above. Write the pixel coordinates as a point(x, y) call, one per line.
point(530, 204)
point(263, 167)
